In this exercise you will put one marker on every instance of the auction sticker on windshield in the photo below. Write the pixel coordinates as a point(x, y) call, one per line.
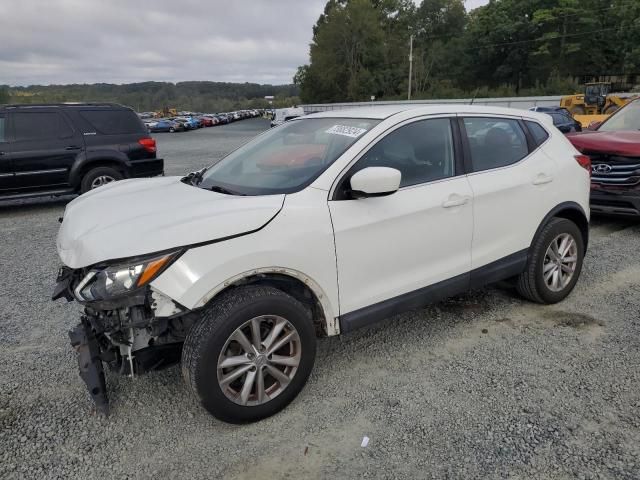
point(347, 131)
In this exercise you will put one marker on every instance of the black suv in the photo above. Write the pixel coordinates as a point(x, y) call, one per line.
point(71, 148)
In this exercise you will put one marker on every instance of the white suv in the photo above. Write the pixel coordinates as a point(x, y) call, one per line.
point(325, 224)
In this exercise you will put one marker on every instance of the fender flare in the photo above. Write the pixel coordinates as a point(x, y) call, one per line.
point(104, 156)
point(331, 324)
point(558, 209)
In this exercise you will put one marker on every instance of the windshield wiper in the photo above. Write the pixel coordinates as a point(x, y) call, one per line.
point(194, 178)
point(226, 191)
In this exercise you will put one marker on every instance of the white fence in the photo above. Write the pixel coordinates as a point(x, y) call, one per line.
point(523, 103)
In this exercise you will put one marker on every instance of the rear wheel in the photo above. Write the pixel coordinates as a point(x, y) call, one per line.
point(99, 176)
point(250, 354)
point(577, 110)
point(554, 264)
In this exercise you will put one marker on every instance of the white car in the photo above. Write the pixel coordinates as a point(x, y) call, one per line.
point(328, 223)
point(283, 115)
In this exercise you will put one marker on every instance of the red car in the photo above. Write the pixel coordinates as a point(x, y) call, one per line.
point(614, 148)
point(206, 121)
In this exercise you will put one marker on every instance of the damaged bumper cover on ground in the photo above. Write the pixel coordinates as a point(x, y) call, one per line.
point(127, 334)
point(84, 341)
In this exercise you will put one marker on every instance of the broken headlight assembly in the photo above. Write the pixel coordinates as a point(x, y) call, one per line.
point(119, 279)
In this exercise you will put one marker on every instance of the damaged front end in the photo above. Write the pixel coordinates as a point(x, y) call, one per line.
point(135, 331)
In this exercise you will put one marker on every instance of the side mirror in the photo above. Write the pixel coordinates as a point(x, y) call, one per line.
point(594, 125)
point(375, 182)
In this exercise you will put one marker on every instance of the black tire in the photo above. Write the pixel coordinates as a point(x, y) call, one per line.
point(577, 110)
point(90, 177)
point(207, 338)
point(531, 284)
point(611, 109)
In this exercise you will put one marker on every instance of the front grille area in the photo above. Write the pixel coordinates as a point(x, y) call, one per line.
point(613, 170)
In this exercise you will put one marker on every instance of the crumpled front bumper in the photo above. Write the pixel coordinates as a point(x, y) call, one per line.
point(123, 333)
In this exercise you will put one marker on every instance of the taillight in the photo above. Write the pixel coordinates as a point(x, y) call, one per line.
point(149, 144)
point(584, 161)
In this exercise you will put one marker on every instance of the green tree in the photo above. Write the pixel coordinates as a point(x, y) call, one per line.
point(346, 50)
point(439, 24)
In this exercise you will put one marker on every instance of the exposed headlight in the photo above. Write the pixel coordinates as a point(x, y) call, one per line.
point(117, 280)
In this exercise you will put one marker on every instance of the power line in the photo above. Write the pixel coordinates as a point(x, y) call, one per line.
point(544, 39)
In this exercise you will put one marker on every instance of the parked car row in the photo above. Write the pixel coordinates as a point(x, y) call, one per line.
point(191, 121)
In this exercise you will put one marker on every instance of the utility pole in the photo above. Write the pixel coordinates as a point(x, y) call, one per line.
point(410, 64)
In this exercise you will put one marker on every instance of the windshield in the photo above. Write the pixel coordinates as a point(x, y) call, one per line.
point(627, 118)
point(592, 90)
point(285, 159)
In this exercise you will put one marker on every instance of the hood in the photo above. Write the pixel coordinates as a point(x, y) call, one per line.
point(624, 143)
point(137, 217)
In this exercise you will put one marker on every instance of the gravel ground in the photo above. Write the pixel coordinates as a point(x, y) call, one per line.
point(483, 385)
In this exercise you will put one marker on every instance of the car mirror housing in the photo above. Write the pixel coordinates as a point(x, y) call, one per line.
point(375, 182)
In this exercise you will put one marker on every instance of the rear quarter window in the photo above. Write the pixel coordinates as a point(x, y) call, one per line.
point(113, 122)
point(538, 133)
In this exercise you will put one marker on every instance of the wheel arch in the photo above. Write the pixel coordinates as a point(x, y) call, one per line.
point(295, 283)
point(571, 211)
point(83, 165)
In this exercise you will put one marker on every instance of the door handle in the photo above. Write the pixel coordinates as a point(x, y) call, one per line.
point(455, 200)
point(1, 153)
point(541, 179)
point(72, 147)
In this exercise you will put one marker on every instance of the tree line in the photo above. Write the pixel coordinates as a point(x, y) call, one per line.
point(507, 47)
point(152, 96)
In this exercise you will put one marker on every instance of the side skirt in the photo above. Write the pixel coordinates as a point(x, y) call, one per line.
point(506, 267)
point(502, 269)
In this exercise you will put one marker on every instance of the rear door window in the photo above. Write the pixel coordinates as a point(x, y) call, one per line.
point(495, 142)
point(113, 122)
point(30, 126)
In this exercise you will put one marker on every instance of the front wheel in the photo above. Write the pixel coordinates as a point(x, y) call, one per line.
point(554, 264)
point(250, 354)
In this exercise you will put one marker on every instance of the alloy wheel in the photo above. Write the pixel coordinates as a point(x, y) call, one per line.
point(101, 180)
point(259, 360)
point(560, 262)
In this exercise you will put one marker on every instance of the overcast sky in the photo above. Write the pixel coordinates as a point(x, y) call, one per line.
point(123, 41)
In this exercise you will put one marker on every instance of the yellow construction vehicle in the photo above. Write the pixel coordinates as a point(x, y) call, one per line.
point(596, 100)
point(167, 112)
